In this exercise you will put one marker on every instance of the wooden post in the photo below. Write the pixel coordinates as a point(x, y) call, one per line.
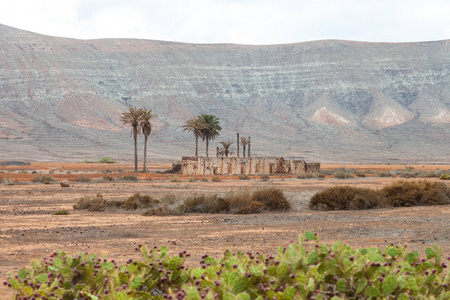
point(248, 146)
point(237, 152)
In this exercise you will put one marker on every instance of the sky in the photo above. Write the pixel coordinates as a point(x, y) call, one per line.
point(255, 22)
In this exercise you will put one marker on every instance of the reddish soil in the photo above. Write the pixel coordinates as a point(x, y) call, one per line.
point(30, 230)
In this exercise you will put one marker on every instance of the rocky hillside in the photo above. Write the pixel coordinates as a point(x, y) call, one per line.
point(61, 99)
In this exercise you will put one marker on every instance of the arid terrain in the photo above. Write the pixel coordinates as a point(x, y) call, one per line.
point(29, 229)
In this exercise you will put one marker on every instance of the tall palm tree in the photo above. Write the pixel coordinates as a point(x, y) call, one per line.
point(211, 130)
point(244, 142)
point(146, 128)
point(195, 125)
point(132, 117)
point(226, 150)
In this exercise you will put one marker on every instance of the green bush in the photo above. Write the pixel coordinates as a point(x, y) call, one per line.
point(361, 175)
point(61, 212)
point(445, 177)
point(107, 160)
point(307, 269)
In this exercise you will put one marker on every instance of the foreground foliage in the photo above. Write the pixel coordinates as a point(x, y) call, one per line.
point(321, 272)
point(397, 194)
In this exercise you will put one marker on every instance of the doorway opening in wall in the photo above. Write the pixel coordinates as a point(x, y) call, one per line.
point(271, 167)
point(257, 169)
point(242, 168)
point(215, 170)
point(229, 169)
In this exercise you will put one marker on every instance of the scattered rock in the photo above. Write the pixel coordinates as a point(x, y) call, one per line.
point(65, 183)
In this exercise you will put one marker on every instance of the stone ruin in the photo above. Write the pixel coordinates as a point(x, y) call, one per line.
point(199, 165)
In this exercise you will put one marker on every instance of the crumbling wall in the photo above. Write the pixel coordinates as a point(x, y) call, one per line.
point(199, 165)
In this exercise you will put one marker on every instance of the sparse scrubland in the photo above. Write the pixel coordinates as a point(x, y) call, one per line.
point(301, 270)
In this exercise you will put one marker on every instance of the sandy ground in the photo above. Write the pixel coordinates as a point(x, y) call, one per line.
point(29, 230)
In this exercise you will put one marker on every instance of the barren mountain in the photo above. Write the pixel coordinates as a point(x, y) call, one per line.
point(61, 99)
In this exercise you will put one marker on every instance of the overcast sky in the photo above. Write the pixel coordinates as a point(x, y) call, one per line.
point(233, 21)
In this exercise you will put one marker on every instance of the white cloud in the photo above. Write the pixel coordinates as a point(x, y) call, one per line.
point(233, 21)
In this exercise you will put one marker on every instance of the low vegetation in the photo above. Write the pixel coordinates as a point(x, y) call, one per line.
point(302, 270)
point(107, 160)
point(397, 194)
point(241, 202)
point(46, 179)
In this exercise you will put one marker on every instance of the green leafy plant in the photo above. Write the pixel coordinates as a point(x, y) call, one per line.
point(307, 269)
point(107, 160)
point(62, 212)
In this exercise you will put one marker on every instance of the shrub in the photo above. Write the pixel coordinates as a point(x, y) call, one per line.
point(193, 179)
point(361, 175)
point(243, 177)
point(46, 179)
point(96, 203)
point(138, 201)
point(61, 212)
point(127, 178)
point(265, 177)
point(445, 177)
point(412, 193)
point(175, 179)
point(342, 175)
point(205, 204)
point(385, 174)
point(272, 199)
point(216, 179)
point(83, 179)
point(241, 202)
point(204, 179)
point(108, 178)
point(346, 198)
point(107, 160)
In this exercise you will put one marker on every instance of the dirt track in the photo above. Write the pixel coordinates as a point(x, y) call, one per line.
point(30, 230)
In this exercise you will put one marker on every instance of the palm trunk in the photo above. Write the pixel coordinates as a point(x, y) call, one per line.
point(135, 149)
point(196, 145)
point(243, 146)
point(207, 145)
point(248, 147)
point(237, 154)
point(144, 169)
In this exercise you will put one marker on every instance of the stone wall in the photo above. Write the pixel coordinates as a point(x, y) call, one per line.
point(199, 165)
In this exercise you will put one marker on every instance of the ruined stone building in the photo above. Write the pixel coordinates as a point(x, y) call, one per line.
point(199, 165)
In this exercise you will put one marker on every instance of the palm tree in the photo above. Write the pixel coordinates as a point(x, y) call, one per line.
point(133, 116)
point(244, 142)
point(195, 125)
point(211, 130)
point(146, 128)
point(226, 148)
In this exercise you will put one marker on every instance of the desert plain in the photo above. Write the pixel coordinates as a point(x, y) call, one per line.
point(29, 229)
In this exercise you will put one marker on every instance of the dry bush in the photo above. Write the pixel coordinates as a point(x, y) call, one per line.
point(243, 177)
point(412, 193)
point(83, 179)
point(272, 199)
point(43, 179)
point(346, 198)
point(108, 178)
point(216, 179)
point(205, 204)
point(96, 203)
point(241, 202)
point(265, 177)
point(342, 175)
point(385, 174)
point(138, 201)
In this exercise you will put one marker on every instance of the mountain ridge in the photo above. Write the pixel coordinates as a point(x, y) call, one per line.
point(330, 100)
